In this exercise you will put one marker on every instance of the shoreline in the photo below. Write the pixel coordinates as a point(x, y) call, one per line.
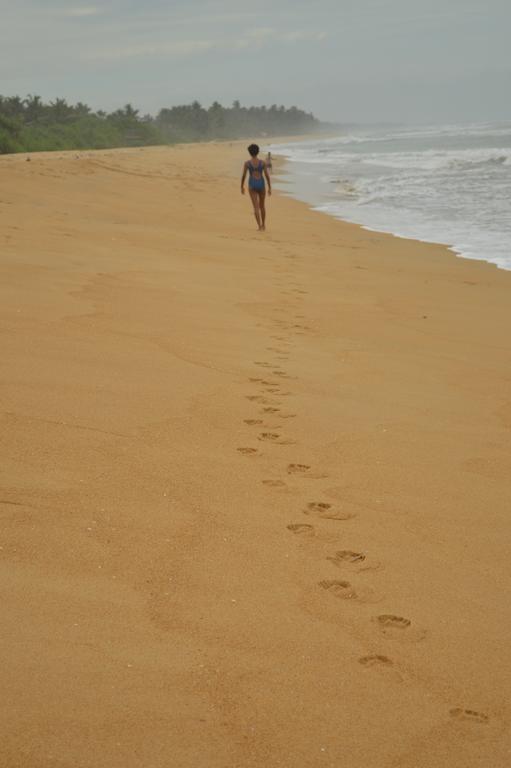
point(313, 189)
point(450, 249)
point(254, 485)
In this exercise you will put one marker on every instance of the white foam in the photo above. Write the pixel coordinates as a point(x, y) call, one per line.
point(448, 184)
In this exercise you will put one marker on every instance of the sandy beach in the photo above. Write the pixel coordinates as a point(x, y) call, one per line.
point(255, 488)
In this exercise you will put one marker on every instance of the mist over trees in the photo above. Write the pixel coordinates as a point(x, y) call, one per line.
point(30, 125)
point(194, 122)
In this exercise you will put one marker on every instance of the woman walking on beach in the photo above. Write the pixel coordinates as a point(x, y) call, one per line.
point(257, 171)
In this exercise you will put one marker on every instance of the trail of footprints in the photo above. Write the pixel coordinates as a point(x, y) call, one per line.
point(269, 398)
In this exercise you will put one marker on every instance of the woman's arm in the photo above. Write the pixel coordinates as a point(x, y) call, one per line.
point(243, 177)
point(267, 175)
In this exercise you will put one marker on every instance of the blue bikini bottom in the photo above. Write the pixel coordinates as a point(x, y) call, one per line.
point(257, 185)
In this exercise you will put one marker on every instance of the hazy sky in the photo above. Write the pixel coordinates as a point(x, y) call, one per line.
point(349, 60)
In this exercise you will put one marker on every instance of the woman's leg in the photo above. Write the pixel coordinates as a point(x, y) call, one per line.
point(254, 196)
point(262, 208)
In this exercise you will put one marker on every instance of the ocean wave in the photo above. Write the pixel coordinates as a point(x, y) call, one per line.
point(428, 160)
point(344, 188)
point(433, 160)
point(488, 132)
point(450, 184)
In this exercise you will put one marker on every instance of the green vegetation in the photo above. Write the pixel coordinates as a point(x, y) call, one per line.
point(192, 122)
point(30, 125)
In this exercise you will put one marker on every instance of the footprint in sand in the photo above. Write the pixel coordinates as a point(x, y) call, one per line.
point(247, 451)
point(283, 375)
point(262, 363)
point(345, 591)
point(380, 663)
point(271, 410)
point(469, 715)
point(300, 528)
point(342, 589)
point(304, 471)
point(298, 469)
point(253, 422)
point(287, 415)
point(397, 627)
point(274, 438)
point(346, 556)
point(376, 660)
point(326, 511)
point(388, 621)
point(274, 483)
point(258, 399)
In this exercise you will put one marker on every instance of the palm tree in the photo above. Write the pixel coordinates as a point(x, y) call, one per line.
point(34, 108)
point(13, 106)
point(81, 110)
point(60, 110)
point(130, 112)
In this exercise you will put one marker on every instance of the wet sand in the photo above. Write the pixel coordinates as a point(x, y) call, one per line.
point(255, 489)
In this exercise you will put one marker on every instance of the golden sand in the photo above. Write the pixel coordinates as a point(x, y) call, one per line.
point(255, 489)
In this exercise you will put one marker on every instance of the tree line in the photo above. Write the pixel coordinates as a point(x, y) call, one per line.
point(31, 125)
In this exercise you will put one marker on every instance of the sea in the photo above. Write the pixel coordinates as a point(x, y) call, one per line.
point(447, 184)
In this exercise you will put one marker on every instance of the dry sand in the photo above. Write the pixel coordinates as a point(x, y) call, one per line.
point(255, 489)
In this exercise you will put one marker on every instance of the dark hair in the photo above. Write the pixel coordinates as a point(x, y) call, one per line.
point(253, 150)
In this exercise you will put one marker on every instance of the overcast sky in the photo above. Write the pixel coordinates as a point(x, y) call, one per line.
point(348, 60)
